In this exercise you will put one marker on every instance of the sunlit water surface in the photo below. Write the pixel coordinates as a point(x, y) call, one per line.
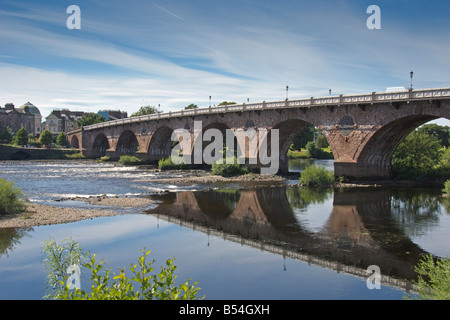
point(236, 241)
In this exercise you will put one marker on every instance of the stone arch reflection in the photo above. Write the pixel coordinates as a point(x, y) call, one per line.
point(360, 229)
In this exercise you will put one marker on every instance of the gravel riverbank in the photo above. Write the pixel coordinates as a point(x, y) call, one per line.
point(38, 214)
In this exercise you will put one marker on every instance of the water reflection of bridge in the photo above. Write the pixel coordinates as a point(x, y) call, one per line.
point(359, 231)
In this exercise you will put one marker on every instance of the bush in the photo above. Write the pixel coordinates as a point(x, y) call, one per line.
point(446, 189)
point(130, 160)
point(228, 168)
point(105, 286)
point(10, 198)
point(316, 176)
point(105, 159)
point(169, 164)
point(433, 279)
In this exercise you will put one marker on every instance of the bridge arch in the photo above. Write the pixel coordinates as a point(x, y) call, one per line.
point(74, 142)
point(127, 143)
point(100, 145)
point(161, 143)
point(376, 154)
point(200, 146)
point(287, 131)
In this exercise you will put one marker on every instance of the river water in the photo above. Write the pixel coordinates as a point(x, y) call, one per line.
point(237, 241)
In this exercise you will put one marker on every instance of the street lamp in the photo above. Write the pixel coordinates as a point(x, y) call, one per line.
point(411, 74)
point(210, 101)
point(287, 89)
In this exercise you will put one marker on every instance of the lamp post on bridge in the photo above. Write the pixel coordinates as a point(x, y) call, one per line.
point(411, 74)
point(287, 89)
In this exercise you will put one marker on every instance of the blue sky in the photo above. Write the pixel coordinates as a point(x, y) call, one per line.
point(173, 53)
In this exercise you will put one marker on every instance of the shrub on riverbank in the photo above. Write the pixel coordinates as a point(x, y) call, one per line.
point(10, 198)
point(316, 176)
point(229, 167)
point(130, 160)
point(169, 164)
point(104, 285)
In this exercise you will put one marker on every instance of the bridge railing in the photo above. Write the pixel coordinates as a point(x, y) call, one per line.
point(374, 97)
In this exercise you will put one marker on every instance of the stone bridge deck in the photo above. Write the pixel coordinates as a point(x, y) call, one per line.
point(363, 130)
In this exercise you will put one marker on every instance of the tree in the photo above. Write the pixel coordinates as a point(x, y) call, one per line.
point(440, 132)
point(145, 111)
point(191, 106)
point(321, 142)
point(226, 103)
point(6, 135)
point(417, 155)
point(46, 137)
point(91, 118)
point(61, 139)
point(303, 137)
point(21, 138)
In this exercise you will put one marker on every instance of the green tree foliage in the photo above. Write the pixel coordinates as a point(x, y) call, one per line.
point(89, 119)
point(321, 142)
point(433, 279)
point(304, 136)
point(46, 137)
point(61, 139)
point(145, 111)
point(6, 135)
point(21, 138)
point(142, 285)
point(439, 132)
point(446, 189)
point(316, 176)
point(34, 141)
point(416, 156)
point(226, 103)
point(10, 198)
point(191, 106)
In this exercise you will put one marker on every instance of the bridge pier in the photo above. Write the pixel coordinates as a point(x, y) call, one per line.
point(361, 171)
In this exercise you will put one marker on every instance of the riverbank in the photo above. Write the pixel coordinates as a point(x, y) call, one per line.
point(39, 215)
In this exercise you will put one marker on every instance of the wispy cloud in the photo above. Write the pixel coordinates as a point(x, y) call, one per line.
point(176, 53)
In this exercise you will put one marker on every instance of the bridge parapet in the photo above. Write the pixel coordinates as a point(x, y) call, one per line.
point(374, 97)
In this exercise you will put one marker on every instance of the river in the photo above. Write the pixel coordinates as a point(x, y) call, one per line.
point(237, 241)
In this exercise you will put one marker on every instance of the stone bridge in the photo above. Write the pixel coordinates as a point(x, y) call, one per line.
point(363, 130)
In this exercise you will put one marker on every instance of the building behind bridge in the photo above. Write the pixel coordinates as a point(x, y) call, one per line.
point(27, 116)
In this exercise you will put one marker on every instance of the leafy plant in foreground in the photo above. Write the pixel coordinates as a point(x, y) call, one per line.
point(143, 285)
point(433, 279)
